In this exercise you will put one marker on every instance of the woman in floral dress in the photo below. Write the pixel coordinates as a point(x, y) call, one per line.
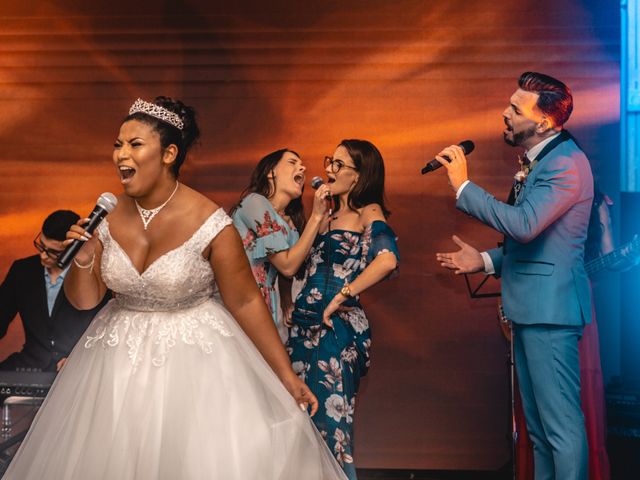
point(330, 337)
point(270, 218)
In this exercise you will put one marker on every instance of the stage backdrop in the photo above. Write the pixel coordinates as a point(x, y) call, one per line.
point(411, 76)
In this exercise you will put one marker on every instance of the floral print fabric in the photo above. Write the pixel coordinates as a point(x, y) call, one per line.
point(264, 233)
point(332, 361)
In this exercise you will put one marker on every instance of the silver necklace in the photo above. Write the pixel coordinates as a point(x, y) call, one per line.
point(148, 215)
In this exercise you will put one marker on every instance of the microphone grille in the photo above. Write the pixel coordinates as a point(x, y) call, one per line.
point(108, 201)
point(467, 146)
point(316, 182)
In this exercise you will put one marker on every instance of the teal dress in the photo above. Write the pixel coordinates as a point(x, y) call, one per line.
point(332, 360)
point(264, 233)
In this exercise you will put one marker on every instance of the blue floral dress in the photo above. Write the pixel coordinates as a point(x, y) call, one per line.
point(332, 360)
point(263, 233)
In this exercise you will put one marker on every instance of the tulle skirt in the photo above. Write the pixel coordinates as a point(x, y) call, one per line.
point(170, 395)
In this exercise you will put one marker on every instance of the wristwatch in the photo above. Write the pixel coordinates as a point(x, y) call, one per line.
point(346, 291)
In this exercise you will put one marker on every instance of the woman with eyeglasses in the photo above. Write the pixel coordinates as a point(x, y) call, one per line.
point(355, 249)
point(270, 220)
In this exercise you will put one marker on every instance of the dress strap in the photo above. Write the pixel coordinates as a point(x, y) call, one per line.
point(210, 229)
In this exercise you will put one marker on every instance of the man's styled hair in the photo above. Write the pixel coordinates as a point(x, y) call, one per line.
point(58, 223)
point(555, 98)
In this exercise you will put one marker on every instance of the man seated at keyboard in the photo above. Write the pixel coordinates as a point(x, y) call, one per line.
point(33, 289)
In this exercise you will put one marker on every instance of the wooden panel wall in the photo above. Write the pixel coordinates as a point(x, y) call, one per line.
point(411, 76)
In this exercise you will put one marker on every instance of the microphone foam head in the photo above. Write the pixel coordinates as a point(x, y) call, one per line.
point(316, 182)
point(467, 146)
point(107, 201)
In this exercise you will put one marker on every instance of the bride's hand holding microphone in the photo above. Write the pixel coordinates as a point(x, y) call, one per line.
point(79, 237)
point(84, 257)
point(83, 286)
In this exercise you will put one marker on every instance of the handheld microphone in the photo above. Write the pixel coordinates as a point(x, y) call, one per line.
point(467, 147)
point(315, 184)
point(105, 204)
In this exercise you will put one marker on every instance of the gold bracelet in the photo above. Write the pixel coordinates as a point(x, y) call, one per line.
point(89, 265)
point(346, 291)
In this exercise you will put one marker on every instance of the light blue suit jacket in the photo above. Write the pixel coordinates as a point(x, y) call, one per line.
point(542, 259)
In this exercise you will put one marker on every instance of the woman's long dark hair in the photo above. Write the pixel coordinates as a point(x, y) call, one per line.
point(259, 183)
point(370, 165)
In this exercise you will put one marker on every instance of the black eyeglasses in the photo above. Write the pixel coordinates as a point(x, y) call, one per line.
point(336, 165)
point(51, 253)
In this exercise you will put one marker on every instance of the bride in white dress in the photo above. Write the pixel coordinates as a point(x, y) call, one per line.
point(168, 383)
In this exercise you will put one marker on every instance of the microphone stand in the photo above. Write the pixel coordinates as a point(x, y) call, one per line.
point(509, 334)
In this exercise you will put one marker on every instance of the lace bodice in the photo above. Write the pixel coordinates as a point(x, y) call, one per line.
point(180, 278)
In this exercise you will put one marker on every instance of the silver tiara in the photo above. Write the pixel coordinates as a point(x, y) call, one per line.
point(158, 112)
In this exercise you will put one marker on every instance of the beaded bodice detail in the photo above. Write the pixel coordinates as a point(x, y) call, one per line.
point(180, 278)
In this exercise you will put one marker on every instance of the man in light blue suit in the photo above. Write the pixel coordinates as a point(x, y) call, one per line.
point(545, 291)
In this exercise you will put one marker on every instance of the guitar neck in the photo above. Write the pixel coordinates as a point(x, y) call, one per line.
point(605, 261)
point(601, 263)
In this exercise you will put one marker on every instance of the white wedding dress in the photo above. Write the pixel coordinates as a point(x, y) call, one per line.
point(165, 385)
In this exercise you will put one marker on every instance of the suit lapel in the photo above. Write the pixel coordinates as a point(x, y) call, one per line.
point(58, 302)
point(563, 137)
point(43, 292)
point(39, 299)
